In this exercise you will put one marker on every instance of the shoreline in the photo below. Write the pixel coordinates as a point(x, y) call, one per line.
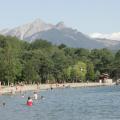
point(14, 89)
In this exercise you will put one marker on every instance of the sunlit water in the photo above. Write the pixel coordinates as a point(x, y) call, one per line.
point(97, 103)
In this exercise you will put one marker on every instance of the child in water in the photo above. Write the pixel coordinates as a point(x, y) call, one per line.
point(35, 96)
point(29, 102)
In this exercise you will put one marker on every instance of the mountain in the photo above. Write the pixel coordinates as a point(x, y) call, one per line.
point(4, 31)
point(115, 47)
point(110, 36)
point(67, 36)
point(108, 42)
point(57, 34)
point(28, 29)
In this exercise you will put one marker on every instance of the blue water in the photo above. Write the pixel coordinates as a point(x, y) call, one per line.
point(97, 103)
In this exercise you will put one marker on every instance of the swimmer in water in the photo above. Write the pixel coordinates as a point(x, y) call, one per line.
point(51, 88)
point(29, 101)
point(23, 96)
point(42, 97)
point(4, 104)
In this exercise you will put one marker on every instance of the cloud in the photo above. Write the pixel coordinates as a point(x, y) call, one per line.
point(112, 36)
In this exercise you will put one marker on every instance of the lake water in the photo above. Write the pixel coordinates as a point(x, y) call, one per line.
point(97, 103)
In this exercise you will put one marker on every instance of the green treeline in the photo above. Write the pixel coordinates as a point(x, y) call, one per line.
point(40, 61)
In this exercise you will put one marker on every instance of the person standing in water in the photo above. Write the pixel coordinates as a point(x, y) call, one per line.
point(29, 102)
point(35, 96)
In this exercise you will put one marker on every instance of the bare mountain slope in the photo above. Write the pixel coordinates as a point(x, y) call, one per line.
point(57, 34)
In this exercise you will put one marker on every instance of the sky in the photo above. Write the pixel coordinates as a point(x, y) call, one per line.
point(88, 16)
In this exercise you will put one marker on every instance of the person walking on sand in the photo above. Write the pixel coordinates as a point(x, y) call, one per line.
point(12, 89)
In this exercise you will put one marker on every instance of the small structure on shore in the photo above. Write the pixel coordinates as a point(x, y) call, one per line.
point(104, 78)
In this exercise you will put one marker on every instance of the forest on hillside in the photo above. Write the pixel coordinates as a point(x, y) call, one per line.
point(41, 61)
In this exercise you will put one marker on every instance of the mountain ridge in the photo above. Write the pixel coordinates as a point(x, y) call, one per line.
point(57, 34)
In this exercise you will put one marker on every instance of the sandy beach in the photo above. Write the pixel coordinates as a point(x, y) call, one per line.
point(6, 89)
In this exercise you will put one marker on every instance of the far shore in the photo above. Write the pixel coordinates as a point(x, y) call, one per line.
point(9, 89)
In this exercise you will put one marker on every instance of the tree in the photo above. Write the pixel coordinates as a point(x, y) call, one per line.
point(90, 72)
point(67, 72)
point(41, 44)
point(97, 75)
point(10, 66)
point(62, 46)
point(80, 70)
point(29, 73)
point(101, 59)
point(77, 72)
point(43, 64)
point(59, 64)
point(82, 54)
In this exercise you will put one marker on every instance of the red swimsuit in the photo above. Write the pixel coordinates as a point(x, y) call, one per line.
point(30, 102)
